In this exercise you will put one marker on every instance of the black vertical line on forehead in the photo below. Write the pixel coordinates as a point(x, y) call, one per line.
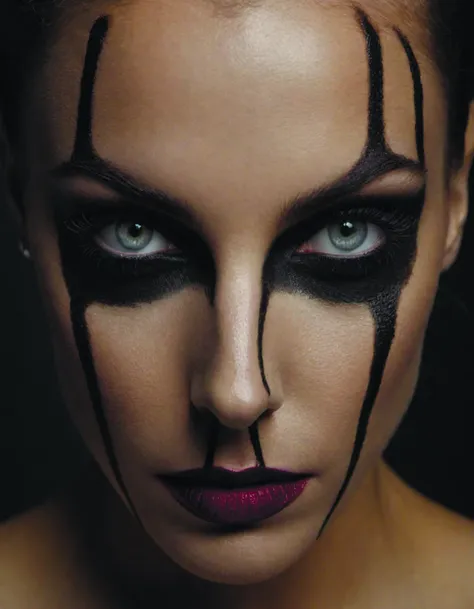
point(376, 151)
point(83, 144)
point(376, 118)
point(82, 338)
point(418, 96)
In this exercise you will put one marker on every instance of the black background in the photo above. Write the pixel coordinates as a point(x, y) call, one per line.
point(39, 449)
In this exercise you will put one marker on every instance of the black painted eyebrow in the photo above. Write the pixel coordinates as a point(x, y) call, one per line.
point(346, 190)
point(298, 208)
point(127, 188)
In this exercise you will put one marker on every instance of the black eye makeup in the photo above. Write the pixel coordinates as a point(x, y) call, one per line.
point(122, 255)
point(345, 253)
point(351, 254)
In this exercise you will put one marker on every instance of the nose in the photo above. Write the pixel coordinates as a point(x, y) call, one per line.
point(231, 382)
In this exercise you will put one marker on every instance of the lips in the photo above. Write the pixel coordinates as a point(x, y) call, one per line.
point(242, 498)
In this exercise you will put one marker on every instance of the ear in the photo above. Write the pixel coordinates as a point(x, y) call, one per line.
point(458, 197)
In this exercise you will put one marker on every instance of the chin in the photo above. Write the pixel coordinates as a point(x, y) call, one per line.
point(240, 557)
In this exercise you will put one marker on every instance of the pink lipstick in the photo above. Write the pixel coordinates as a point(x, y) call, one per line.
point(232, 498)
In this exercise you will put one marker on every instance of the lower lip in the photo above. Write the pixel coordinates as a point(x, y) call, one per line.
point(237, 507)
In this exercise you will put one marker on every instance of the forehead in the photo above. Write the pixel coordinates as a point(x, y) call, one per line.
point(180, 85)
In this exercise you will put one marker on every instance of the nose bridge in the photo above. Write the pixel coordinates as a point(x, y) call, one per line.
point(232, 385)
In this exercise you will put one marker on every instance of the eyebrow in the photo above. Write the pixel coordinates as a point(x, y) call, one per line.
point(344, 187)
point(348, 187)
point(127, 187)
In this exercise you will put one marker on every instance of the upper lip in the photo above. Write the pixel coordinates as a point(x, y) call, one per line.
point(218, 477)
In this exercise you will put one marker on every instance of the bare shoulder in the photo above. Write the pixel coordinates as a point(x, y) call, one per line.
point(41, 562)
point(25, 557)
point(448, 550)
point(442, 548)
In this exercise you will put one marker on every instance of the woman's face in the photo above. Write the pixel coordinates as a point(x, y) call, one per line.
point(239, 218)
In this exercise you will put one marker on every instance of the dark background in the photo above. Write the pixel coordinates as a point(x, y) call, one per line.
point(433, 449)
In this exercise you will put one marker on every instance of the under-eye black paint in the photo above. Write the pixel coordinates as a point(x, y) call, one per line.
point(265, 298)
point(384, 312)
point(81, 335)
point(376, 281)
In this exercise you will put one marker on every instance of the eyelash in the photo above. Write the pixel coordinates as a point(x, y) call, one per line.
point(397, 224)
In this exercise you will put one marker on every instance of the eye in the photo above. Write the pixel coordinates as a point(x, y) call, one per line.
point(345, 239)
point(132, 239)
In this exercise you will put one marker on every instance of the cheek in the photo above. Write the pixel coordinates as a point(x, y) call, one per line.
point(144, 359)
point(401, 373)
point(415, 308)
point(320, 357)
point(57, 308)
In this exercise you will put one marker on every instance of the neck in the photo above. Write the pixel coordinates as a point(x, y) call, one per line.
point(365, 526)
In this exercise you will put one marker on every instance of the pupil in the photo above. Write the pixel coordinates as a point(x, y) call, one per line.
point(347, 229)
point(135, 231)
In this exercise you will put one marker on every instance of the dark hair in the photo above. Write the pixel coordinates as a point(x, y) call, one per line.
point(451, 26)
point(26, 23)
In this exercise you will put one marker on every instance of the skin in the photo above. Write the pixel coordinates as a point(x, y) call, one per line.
point(237, 115)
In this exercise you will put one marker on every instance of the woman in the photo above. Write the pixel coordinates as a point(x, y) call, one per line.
point(239, 213)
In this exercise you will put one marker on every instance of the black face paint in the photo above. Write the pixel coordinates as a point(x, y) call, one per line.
point(90, 279)
point(376, 281)
point(253, 431)
point(212, 443)
point(79, 300)
point(418, 96)
point(383, 296)
point(384, 307)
